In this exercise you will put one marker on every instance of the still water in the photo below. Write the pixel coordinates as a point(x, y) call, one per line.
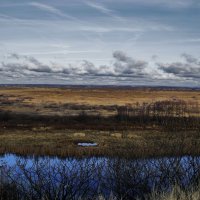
point(86, 178)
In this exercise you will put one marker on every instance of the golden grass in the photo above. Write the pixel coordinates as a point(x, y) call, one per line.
point(45, 140)
point(132, 143)
point(176, 193)
point(106, 96)
point(52, 101)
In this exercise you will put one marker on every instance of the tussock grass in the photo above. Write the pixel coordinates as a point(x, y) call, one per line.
point(177, 194)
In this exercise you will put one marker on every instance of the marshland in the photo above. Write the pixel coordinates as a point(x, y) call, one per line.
point(99, 100)
point(138, 143)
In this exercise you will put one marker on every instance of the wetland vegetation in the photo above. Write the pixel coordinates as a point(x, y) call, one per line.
point(147, 143)
point(98, 178)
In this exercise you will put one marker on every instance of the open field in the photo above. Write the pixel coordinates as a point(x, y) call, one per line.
point(132, 122)
point(70, 101)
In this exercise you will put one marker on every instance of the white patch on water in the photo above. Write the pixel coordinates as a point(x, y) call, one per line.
point(87, 144)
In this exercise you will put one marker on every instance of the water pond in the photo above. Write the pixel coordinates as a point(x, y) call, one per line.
point(87, 144)
point(86, 178)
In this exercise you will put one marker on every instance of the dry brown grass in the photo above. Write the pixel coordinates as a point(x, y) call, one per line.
point(133, 144)
point(34, 99)
point(106, 96)
point(41, 138)
point(176, 193)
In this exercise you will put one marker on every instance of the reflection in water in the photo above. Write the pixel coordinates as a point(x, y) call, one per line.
point(71, 178)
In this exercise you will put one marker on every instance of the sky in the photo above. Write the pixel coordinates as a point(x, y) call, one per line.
point(104, 42)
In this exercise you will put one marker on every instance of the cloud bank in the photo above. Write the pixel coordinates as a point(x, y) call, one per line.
point(188, 69)
point(122, 68)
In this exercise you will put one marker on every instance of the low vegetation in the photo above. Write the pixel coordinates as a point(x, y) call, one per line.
point(158, 129)
point(173, 178)
point(152, 128)
point(125, 124)
point(162, 115)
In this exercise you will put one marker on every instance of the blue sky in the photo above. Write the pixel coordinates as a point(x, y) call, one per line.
point(129, 42)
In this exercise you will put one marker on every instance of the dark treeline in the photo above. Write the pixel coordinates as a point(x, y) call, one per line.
point(93, 178)
point(162, 115)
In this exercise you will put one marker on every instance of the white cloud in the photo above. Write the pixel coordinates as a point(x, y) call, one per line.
point(123, 70)
point(103, 9)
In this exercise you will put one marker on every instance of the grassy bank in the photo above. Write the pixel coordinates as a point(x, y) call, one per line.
point(134, 144)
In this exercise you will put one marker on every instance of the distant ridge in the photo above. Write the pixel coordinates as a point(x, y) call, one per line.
point(102, 86)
